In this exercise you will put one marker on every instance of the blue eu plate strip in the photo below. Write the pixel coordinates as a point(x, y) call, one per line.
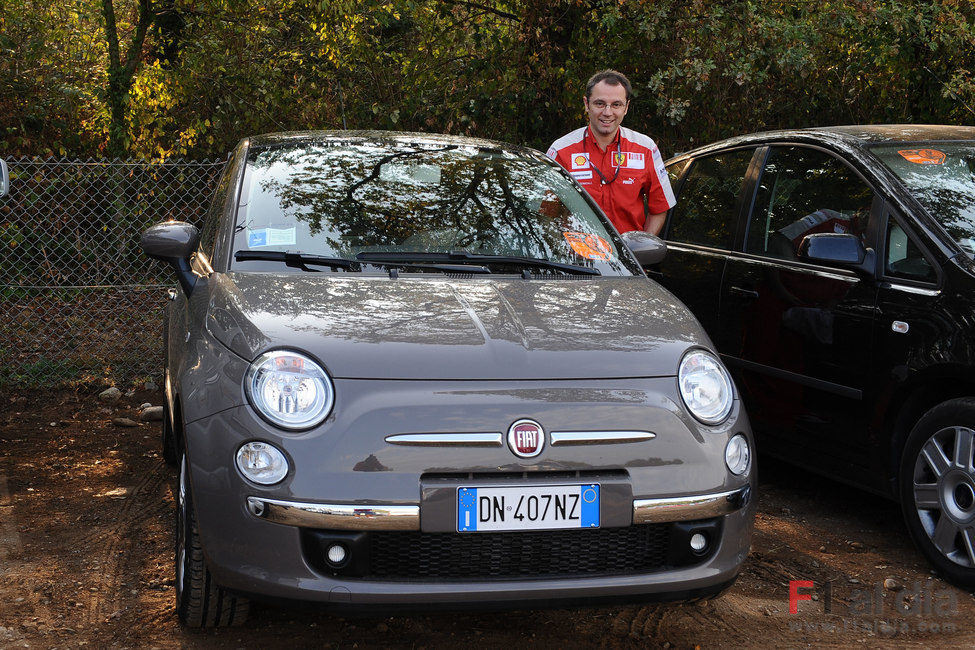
point(590, 506)
point(467, 510)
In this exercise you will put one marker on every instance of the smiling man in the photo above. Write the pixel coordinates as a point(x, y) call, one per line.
point(620, 168)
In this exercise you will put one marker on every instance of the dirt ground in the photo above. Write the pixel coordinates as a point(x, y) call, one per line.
point(86, 512)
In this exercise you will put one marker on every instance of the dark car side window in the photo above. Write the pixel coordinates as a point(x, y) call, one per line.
point(803, 191)
point(706, 208)
point(905, 258)
point(674, 170)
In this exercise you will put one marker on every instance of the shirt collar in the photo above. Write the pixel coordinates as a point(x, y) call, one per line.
point(591, 139)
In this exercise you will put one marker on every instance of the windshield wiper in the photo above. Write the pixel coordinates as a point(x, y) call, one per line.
point(303, 261)
point(297, 260)
point(464, 257)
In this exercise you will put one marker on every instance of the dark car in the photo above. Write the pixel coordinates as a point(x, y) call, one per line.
point(832, 268)
point(407, 369)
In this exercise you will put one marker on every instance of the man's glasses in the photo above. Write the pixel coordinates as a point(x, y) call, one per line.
point(599, 105)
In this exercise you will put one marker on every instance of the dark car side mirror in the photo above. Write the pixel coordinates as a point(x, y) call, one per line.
point(173, 242)
point(648, 249)
point(4, 178)
point(838, 249)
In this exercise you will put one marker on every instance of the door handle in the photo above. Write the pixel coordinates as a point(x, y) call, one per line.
point(744, 293)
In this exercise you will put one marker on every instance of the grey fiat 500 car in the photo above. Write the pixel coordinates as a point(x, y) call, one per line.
point(405, 369)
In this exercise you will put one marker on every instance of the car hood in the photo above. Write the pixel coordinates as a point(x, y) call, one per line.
point(441, 328)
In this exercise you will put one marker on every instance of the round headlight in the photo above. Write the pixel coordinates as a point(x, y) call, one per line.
point(262, 463)
point(289, 390)
point(737, 454)
point(705, 386)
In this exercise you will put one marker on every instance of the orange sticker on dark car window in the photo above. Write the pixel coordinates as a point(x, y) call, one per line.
point(592, 247)
point(923, 156)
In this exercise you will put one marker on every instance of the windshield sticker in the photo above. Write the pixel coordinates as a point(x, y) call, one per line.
point(923, 156)
point(281, 236)
point(271, 237)
point(256, 238)
point(592, 247)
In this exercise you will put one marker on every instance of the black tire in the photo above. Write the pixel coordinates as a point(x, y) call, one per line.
point(169, 444)
point(937, 489)
point(200, 603)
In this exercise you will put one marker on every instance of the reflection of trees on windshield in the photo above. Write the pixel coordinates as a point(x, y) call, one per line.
point(374, 197)
point(947, 190)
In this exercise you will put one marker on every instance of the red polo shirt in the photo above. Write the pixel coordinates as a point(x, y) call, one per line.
point(620, 177)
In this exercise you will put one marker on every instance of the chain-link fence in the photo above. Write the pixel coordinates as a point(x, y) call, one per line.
point(79, 301)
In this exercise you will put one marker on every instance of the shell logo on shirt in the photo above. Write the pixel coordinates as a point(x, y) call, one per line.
point(580, 161)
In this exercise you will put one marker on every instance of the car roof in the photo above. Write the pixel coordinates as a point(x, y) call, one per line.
point(857, 136)
point(391, 137)
point(880, 133)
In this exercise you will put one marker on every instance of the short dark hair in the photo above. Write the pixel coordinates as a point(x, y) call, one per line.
point(613, 78)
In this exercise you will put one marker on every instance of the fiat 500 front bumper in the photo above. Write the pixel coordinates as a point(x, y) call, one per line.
point(365, 520)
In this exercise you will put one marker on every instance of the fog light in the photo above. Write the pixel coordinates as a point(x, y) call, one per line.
point(262, 463)
point(336, 555)
point(699, 542)
point(737, 455)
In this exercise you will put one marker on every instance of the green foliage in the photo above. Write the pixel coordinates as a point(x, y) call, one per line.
point(49, 78)
point(213, 71)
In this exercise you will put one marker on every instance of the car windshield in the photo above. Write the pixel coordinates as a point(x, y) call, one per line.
point(422, 207)
point(942, 177)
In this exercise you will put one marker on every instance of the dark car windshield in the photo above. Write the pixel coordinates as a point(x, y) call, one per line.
point(377, 200)
point(942, 177)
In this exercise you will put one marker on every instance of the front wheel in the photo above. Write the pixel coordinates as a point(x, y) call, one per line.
point(937, 489)
point(200, 602)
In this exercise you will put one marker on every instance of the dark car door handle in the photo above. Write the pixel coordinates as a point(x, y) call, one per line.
point(744, 293)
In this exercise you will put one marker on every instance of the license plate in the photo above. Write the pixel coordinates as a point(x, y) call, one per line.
point(527, 508)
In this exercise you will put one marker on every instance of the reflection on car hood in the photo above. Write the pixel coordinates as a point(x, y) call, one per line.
point(442, 328)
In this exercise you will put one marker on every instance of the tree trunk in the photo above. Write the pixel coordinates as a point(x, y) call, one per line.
point(122, 72)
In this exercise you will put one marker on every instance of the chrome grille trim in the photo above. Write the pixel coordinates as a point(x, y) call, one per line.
point(701, 506)
point(564, 438)
point(492, 439)
point(373, 516)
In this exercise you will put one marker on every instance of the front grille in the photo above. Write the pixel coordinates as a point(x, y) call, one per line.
point(534, 554)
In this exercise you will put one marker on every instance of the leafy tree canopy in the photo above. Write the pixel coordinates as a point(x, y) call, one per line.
point(188, 78)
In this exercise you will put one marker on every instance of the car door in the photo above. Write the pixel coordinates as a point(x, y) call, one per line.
point(700, 229)
point(797, 335)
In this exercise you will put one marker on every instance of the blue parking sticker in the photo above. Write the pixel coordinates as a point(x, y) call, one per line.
point(257, 238)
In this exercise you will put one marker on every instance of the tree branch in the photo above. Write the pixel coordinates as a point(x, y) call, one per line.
point(477, 5)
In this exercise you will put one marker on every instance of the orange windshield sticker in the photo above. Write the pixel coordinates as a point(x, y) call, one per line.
point(923, 156)
point(592, 247)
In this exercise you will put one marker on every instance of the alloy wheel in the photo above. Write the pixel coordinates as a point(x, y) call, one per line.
point(944, 493)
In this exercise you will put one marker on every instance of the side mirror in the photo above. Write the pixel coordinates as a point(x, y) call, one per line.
point(648, 249)
point(837, 249)
point(4, 178)
point(173, 242)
